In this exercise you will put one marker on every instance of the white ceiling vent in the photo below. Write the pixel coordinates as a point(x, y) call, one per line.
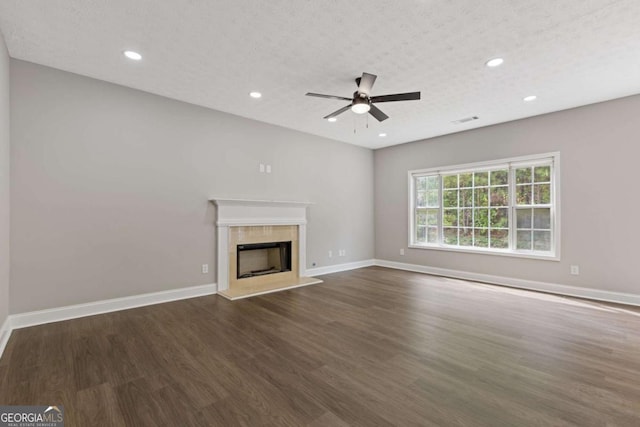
point(465, 120)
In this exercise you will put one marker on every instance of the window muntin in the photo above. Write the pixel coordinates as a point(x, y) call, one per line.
point(506, 206)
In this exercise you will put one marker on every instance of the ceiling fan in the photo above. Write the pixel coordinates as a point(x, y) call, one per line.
point(362, 101)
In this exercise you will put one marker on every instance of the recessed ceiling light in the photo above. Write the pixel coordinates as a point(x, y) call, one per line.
point(530, 98)
point(132, 55)
point(332, 119)
point(382, 135)
point(494, 62)
point(255, 95)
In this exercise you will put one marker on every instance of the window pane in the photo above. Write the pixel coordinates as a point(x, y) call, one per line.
point(524, 217)
point(466, 237)
point(421, 218)
point(523, 195)
point(482, 196)
point(482, 218)
point(466, 180)
point(421, 199)
point(466, 197)
point(524, 239)
point(481, 238)
point(450, 181)
point(432, 234)
point(541, 194)
point(499, 217)
point(432, 217)
point(450, 217)
point(450, 236)
point(542, 240)
point(421, 183)
point(499, 238)
point(523, 175)
point(481, 178)
point(542, 218)
point(432, 198)
point(421, 234)
point(499, 177)
point(542, 174)
point(499, 196)
point(466, 217)
point(433, 183)
point(450, 198)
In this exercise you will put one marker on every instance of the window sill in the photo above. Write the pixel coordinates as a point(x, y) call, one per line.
point(532, 255)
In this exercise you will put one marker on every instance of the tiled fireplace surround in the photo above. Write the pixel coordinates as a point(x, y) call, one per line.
point(260, 221)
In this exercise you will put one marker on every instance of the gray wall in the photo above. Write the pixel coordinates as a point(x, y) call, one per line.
point(110, 188)
point(4, 181)
point(600, 193)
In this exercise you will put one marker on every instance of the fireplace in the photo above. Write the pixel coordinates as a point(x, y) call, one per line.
point(261, 246)
point(259, 259)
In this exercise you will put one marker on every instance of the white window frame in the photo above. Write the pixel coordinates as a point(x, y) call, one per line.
point(511, 164)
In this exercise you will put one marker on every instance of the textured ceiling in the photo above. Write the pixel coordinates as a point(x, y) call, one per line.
point(212, 53)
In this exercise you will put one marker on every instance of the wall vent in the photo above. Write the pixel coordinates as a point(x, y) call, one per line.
point(465, 120)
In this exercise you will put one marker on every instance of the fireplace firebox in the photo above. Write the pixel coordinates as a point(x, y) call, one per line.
point(259, 259)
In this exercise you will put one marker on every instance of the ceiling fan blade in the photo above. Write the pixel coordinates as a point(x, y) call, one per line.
point(377, 113)
point(319, 95)
point(338, 112)
point(410, 96)
point(366, 83)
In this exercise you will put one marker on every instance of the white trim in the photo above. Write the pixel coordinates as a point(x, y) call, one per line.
point(218, 201)
point(58, 314)
point(553, 288)
point(319, 271)
point(5, 334)
point(237, 222)
point(483, 251)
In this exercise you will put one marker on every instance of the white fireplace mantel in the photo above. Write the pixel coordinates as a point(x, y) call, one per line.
point(237, 212)
point(246, 212)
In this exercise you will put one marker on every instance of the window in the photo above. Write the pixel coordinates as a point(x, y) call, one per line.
point(507, 207)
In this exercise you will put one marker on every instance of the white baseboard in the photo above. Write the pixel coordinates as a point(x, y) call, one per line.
point(553, 288)
point(40, 317)
point(5, 333)
point(319, 271)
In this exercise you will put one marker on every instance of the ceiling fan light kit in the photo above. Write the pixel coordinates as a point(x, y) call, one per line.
point(362, 101)
point(360, 104)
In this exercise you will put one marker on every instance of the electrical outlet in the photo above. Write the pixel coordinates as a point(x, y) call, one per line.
point(330, 254)
point(342, 252)
point(402, 251)
point(205, 268)
point(575, 270)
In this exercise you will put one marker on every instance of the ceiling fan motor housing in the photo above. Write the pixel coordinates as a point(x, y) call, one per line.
point(361, 103)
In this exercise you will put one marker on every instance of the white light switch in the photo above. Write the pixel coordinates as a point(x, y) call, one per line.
point(268, 168)
point(262, 167)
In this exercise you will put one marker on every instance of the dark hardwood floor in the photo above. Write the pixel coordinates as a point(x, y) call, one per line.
point(369, 347)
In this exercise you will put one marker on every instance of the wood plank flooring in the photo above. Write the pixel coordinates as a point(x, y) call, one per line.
point(369, 347)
